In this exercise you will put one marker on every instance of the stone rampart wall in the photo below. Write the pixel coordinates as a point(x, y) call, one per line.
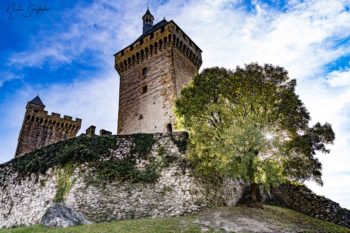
point(25, 198)
point(302, 199)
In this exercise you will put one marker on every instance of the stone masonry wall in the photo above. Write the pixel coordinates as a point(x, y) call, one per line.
point(24, 200)
point(153, 70)
point(184, 71)
point(40, 129)
point(148, 110)
point(302, 199)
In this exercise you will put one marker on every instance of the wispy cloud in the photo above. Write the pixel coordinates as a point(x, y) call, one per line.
point(8, 76)
point(97, 29)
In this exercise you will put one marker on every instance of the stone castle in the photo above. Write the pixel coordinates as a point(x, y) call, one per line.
point(153, 70)
point(40, 129)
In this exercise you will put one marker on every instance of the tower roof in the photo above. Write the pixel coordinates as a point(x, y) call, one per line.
point(37, 101)
point(148, 13)
point(152, 29)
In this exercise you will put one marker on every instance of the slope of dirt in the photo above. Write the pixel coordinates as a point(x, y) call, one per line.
point(270, 219)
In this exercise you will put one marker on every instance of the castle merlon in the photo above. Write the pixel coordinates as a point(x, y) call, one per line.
point(67, 117)
point(57, 116)
point(54, 120)
point(156, 30)
point(161, 37)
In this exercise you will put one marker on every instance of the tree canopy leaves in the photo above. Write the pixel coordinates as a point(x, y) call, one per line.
point(250, 124)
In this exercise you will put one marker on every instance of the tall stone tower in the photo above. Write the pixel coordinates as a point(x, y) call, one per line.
point(152, 71)
point(40, 129)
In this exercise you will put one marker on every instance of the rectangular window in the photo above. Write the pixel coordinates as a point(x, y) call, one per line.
point(144, 89)
point(144, 72)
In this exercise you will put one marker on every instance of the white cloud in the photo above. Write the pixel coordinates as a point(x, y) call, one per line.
point(8, 76)
point(95, 100)
point(304, 39)
point(339, 78)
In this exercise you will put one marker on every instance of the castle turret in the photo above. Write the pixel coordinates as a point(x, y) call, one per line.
point(36, 103)
point(40, 129)
point(147, 21)
point(153, 70)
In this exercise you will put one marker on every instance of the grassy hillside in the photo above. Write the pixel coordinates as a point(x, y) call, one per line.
point(236, 219)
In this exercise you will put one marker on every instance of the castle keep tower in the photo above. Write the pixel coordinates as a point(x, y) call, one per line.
point(153, 70)
point(40, 129)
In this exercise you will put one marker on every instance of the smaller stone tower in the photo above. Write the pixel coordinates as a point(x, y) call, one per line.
point(40, 129)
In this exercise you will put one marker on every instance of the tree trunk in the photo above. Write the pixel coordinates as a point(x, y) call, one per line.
point(256, 197)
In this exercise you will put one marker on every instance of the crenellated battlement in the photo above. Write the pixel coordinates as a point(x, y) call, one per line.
point(53, 120)
point(168, 35)
point(41, 128)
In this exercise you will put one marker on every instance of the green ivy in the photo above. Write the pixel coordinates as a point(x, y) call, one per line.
point(75, 151)
point(181, 142)
point(95, 152)
point(142, 144)
point(64, 182)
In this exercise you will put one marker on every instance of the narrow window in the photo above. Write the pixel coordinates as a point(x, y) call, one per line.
point(144, 72)
point(140, 117)
point(169, 128)
point(144, 89)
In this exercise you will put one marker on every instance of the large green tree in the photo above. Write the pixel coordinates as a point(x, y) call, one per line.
point(249, 124)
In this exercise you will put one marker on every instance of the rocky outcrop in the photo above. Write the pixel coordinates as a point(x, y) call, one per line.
point(60, 215)
point(300, 198)
point(139, 176)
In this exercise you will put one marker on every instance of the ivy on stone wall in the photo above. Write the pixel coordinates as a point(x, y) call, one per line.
point(142, 144)
point(181, 142)
point(63, 182)
point(75, 151)
point(95, 152)
point(124, 169)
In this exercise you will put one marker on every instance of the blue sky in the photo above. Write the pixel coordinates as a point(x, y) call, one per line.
point(66, 55)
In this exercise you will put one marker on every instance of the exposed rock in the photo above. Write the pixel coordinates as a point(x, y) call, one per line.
point(60, 215)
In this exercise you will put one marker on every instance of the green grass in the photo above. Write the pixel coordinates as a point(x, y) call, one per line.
point(285, 219)
point(160, 225)
point(280, 217)
point(313, 224)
